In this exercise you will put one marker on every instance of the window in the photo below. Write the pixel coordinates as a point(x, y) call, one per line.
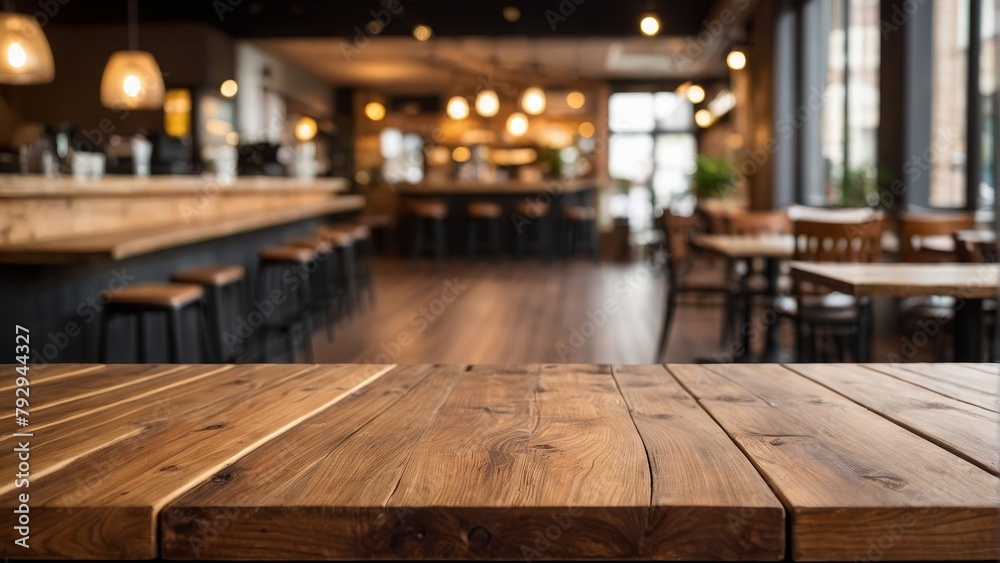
point(651, 148)
point(988, 78)
point(850, 118)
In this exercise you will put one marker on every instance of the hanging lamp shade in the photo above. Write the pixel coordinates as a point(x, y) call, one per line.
point(132, 80)
point(25, 55)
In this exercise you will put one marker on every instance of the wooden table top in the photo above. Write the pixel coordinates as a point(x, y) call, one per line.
point(509, 462)
point(121, 244)
point(971, 281)
point(738, 246)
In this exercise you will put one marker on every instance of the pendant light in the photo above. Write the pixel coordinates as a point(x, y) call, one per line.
point(132, 80)
point(458, 108)
point(25, 55)
point(487, 100)
point(517, 124)
point(533, 98)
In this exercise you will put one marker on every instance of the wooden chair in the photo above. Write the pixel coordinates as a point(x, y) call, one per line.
point(915, 227)
point(814, 307)
point(984, 252)
point(680, 230)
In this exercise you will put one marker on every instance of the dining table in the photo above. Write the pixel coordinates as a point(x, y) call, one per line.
point(946, 244)
point(968, 283)
point(768, 462)
point(773, 249)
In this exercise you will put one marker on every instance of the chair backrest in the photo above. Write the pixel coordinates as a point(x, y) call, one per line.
point(978, 251)
point(914, 227)
point(756, 223)
point(680, 230)
point(832, 214)
point(818, 241)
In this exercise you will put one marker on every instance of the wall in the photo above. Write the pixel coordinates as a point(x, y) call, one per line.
point(258, 116)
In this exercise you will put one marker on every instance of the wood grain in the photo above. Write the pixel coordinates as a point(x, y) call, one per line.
point(34, 186)
point(47, 373)
point(119, 244)
point(957, 381)
point(969, 281)
point(106, 502)
point(966, 430)
point(708, 501)
point(855, 485)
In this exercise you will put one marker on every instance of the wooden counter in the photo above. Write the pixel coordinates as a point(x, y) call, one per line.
point(117, 245)
point(21, 186)
point(563, 462)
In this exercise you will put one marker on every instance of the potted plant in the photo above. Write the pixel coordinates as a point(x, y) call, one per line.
point(713, 177)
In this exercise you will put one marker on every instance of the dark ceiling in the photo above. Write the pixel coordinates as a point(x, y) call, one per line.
point(339, 18)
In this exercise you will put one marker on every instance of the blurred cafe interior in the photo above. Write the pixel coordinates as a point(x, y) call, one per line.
point(397, 181)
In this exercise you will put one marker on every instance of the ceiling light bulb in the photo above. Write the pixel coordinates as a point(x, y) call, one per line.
point(703, 118)
point(696, 94)
point(16, 55)
point(649, 25)
point(375, 111)
point(305, 129)
point(422, 32)
point(575, 100)
point(132, 85)
point(736, 59)
point(461, 154)
point(533, 101)
point(511, 13)
point(229, 88)
point(487, 103)
point(586, 129)
point(458, 108)
point(517, 124)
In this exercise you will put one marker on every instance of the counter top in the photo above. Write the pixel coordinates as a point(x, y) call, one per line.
point(34, 186)
point(557, 462)
point(124, 243)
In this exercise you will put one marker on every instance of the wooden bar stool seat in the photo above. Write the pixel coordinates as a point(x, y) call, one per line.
point(317, 244)
point(336, 237)
point(424, 213)
point(170, 300)
point(225, 299)
point(532, 209)
point(486, 214)
point(289, 254)
point(484, 210)
point(580, 213)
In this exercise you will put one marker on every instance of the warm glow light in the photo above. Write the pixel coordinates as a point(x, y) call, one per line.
point(16, 56)
point(132, 85)
point(586, 129)
point(232, 138)
point(422, 32)
point(511, 13)
point(375, 111)
point(177, 112)
point(487, 103)
point(703, 118)
point(229, 88)
point(25, 55)
point(696, 94)
point(458, 108)
point(575, 100)
point(461, 154)
point(517, 124)
point(305, 129)
point(736, 59)
point(650, 25)
point(132, 80)
point(533, 101)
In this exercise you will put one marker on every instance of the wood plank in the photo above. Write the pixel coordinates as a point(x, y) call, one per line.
point(708, 501)
point(52, 372)
point(938, 379)
point(963, 429)
point(134, 242)
point(320, 491)
point(33, 186)
point(107, 502)
point(992, 369)
point(969, 281)
point(855, 485)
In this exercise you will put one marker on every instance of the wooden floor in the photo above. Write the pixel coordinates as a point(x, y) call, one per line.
point(460, 312)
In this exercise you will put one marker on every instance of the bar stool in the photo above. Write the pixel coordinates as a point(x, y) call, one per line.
point(536, 215)
point(226, 298)
point(486, 213)
point(345, 279)
point(430, 212)
point(364, 252)
point(283, 292)
point(166, 299)
point(581, 226)
point(323, 290)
